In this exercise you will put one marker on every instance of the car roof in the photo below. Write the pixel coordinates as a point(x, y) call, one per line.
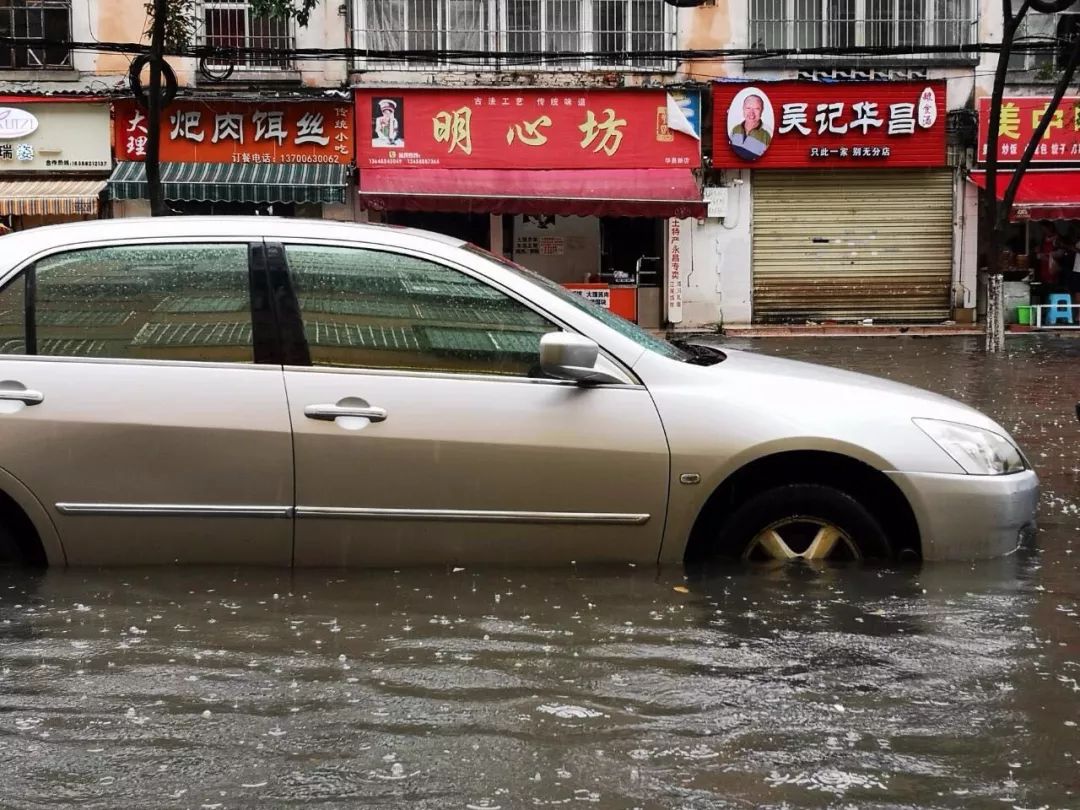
point(258, 227)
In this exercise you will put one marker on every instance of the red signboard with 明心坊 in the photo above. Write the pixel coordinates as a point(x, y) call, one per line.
point(843, 125)
point(526, 129)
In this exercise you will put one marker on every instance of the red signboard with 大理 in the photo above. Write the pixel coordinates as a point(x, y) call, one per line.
point(527, 129)
point(222, 131)
point(843, 125)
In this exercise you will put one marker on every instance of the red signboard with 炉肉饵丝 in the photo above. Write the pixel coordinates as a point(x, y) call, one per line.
point(213, 131)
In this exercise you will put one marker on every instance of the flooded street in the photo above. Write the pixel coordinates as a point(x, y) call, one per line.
point(946, 686)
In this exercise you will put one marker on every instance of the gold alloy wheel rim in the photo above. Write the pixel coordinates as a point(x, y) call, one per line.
point(802, 538)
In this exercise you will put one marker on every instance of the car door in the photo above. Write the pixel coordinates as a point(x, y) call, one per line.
point(132, 405)
point(424, 433)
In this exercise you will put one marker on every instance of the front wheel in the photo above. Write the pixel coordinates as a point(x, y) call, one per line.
point(803, 521)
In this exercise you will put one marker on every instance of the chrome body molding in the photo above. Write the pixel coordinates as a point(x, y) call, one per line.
point(473, 515)
point(174, 509)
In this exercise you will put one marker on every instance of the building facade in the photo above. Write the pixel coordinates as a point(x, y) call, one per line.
point(1044, 220)
point(564, 135)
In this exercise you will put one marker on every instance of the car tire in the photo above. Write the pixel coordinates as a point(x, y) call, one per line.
point(11, 552)
point(808, 521)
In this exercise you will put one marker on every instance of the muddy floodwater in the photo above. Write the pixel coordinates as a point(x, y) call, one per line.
point(945, 686)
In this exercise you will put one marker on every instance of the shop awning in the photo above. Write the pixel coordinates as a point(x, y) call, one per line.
point(235, 182)
point(47, 197)
point(592, 192)
point(1041, 195)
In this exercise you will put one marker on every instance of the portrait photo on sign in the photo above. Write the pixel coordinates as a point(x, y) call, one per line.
point(750, 123)
point(388, 122)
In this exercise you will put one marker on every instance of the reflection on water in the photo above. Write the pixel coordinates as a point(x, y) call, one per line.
point(786, 686)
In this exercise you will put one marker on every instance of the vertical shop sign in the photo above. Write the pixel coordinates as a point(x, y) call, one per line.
point(674, 271)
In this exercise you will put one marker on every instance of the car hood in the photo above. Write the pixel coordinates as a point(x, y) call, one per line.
point(806, 387)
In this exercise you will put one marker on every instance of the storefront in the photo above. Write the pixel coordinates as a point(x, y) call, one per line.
point(577, 185)
point(1041, 243)
point(54, 159)
point(852, 203)
point(278, 157)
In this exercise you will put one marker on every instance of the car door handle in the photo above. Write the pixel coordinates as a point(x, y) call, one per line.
point(329, 413)
point(22, 395)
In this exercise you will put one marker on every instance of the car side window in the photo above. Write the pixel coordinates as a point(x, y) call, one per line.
point(162, 302)
point(13, 317)
point(376, 309)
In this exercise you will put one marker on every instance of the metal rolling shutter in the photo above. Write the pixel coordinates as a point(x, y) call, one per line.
point(846, 245)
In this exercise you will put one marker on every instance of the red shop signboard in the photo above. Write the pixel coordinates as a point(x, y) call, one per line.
point(842, 125)
point(211, 131)
point(526, 129)
point(1020, 115)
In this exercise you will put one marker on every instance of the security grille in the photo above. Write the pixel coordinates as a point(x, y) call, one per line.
point(840, 24)
point(1043, 65)
point(35, 19)
point(232, 24)
point(540, 34)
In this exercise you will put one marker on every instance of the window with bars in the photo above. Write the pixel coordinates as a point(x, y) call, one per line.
point(1044, 65)
point(549, 34)
point(45, 19)
point(839, 24)
point(232, 24)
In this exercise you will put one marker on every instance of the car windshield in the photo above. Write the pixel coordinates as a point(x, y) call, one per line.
point(609, 318)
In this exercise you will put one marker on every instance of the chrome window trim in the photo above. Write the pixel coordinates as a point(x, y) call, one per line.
point(450, 375)
point(473, 515)
point(173, 510)
point(138, 361)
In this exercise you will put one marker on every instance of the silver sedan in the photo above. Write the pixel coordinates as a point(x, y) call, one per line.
point(291, 392)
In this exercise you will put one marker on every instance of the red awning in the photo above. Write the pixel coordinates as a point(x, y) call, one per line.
point(1041, 195)
point(592, 192)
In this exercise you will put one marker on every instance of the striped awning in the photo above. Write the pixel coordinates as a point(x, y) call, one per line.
point(235, 182)
point(44, 197)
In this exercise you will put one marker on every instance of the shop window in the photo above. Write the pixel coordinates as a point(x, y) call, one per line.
point(40, 19)
point(501, 30)
point(232, 24)
point(158, 302)
point(372, 309)
point(777, 25)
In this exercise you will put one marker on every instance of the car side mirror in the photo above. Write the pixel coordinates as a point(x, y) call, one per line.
point(567, 356)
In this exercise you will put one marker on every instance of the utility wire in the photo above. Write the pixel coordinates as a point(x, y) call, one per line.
point(526, 59)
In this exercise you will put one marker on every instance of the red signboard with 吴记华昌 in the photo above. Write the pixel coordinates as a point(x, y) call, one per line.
point(212, 131)
point(527, 129)
point(842, 125)
point(1020, 117)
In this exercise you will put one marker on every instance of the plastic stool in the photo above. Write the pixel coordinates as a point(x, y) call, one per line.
point(1060, 308)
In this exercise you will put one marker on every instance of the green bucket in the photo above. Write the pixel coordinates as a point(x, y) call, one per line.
point(1023, 315)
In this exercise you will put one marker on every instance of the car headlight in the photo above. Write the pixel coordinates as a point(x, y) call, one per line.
point(976, 450)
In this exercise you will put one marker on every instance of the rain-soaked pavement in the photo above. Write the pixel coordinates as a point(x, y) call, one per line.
point(953, 686)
